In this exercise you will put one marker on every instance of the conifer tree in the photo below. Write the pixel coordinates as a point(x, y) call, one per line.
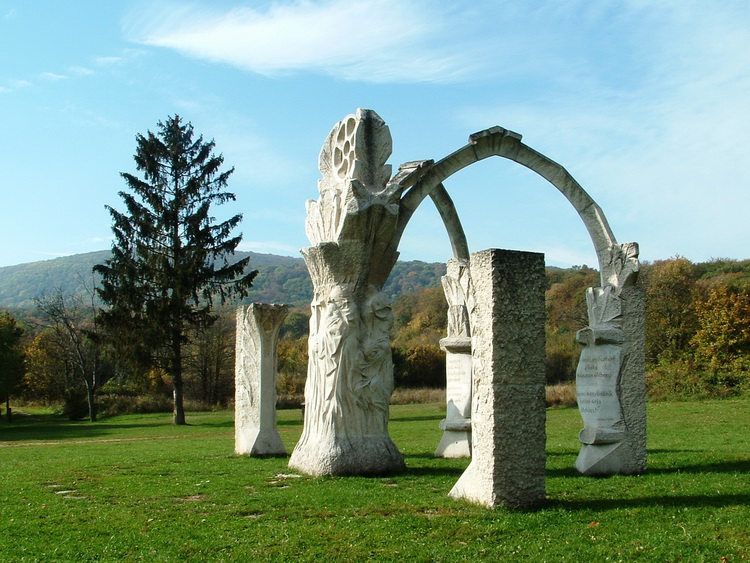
point(170, 258)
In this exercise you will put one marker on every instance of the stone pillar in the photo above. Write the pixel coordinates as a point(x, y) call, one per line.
point(255, 431)
point(456, 439)
point(610, 379)
point(508, 410)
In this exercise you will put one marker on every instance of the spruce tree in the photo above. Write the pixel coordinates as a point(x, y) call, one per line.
point(170, 258)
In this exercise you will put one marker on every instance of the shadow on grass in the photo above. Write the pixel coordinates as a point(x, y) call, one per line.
point(286, 423)
point(230, 423)
point(67, 430)
point(742, 466)
point(433, 471)
point(677, 501)
point(437, 417)
point(220, 424)
point(731, 467)
point(50, 427)
point(53, 427)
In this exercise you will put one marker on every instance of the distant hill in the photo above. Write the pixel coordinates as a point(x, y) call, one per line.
point(281, 279)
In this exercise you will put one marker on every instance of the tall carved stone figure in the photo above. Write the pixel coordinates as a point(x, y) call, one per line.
point(350, 369)
point(610, 381)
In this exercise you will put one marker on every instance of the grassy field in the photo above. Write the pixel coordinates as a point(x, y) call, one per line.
point(136, 488)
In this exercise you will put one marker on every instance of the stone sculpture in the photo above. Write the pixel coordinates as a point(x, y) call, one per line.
point(508, 410)
point(350, 369)
point(456, 439)
point(609, 380)
point(255, 430)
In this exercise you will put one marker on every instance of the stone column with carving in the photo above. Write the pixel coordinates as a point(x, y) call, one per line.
point(456, 439)
point(350, 371)
point(610, 379)
point(508, 412)
point(255, 430)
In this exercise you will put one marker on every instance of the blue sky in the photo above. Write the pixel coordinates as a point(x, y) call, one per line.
point(646, 103)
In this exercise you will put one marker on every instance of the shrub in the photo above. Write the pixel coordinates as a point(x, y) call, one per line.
point(405, 396)
point(681, 380)
point(561, 395)
point(420, 366)
point(75, 405)
point(111, 404)
point(288, 401)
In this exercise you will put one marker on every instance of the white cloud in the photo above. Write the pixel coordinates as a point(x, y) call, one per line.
point(52, 76)
point(13, 85)
point(665, 154)
point(368, 40)
point(108, 61)
point(80, 71)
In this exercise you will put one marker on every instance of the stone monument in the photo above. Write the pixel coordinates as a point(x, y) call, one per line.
point(495, 314)
point(456, 439)
point(508, 411)
point(610, 384)
point(350, 369)
point(255, 431)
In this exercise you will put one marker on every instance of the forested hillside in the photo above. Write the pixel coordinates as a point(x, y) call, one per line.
point(697, 330)
point(281, 279)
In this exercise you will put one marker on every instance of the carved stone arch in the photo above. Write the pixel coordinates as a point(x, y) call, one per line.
point(411, 172)
point(507, 144)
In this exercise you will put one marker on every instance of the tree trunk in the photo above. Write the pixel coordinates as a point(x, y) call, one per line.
point(179, 409)
point(8, 412)
point(91, 397)
point(177, 383)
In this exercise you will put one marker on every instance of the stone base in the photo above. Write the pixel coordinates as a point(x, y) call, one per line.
point(368, 455)
point(608, 459)
point(454, 444)
point(474, 487)
point(260, 443)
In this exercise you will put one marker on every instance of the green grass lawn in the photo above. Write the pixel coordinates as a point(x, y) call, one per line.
point(135, 487)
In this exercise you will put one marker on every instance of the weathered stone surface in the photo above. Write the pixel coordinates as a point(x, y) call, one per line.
point(255, 430)
point(350, 369)
point(610, 380)
point(508, 410)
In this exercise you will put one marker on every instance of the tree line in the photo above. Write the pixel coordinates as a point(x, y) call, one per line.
point(697, 325)
point(697, 328)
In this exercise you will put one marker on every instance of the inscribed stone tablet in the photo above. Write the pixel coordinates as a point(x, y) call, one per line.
point(596, 386)
point(458, 384)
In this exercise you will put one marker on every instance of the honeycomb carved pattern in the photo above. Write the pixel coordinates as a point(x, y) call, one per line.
point(343, 151)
